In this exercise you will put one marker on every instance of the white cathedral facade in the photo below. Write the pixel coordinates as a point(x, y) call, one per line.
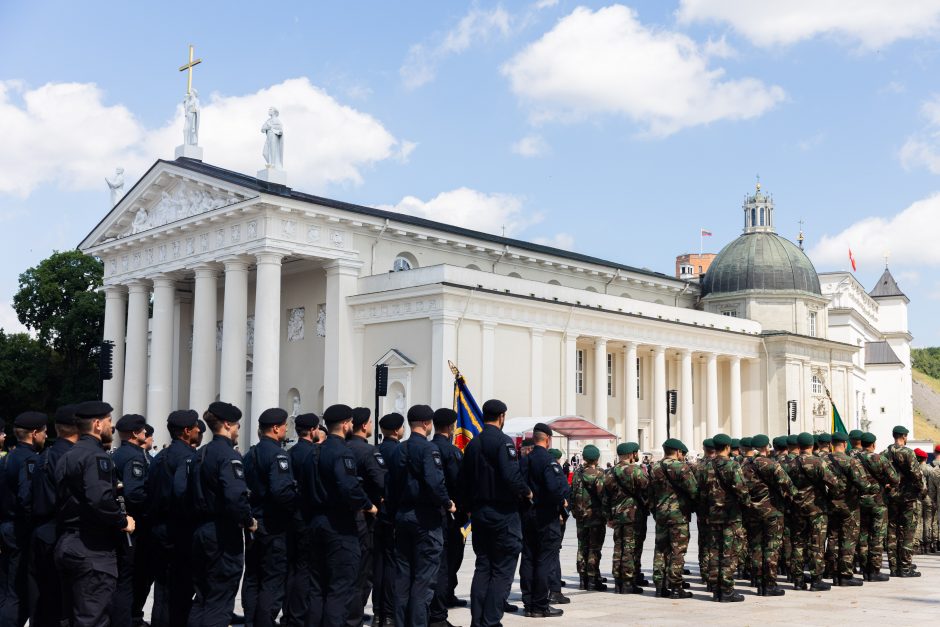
point(223, 285)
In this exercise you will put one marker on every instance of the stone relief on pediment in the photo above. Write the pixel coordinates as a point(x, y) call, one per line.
point(183, 201)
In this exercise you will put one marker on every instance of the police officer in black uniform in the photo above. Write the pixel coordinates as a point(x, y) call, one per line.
point(15, 528)
point(90, 519)
point(542, 524)
point(171, 526)
point(417, 501)
point(216, 489)
point(297, 598)
point(130, 469)
point(370, 468)
point(384, 566)
point(45, 589)
point(493, 490)
point(333, 497)
point(452, 556)
point(273, 504)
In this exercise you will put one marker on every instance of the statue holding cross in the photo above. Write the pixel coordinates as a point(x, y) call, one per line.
point(190, 104)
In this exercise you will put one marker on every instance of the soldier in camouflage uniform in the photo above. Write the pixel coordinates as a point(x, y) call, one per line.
point(727, 496)
point(923, 536)
point(701, 511)
point(812, 478)
point(901, 505)
point(625, 489)
point(789, 515)
point(844, 517)
point(855, 450)
point(673, 491)
point(745, 571)
point(771, 490)
point(587, 494)
point(874, 510)
point(933, 487)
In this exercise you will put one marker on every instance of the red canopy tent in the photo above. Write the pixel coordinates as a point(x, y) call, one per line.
point(571, 427)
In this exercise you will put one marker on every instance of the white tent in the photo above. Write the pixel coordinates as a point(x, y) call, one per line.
point(571, 427)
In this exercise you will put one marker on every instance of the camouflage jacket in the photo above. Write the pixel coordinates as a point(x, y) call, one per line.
point(769, 485)
point(912, 486)
point(673, 491)
point(587, 496)
point(813, 479)
point(725, 491)
point(625, 490)
point(933, 480)
point(881, 473)
point(855, 482)
point(700, 470)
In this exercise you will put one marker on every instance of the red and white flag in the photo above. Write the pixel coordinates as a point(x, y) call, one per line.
point(706, 233)
point(852, 259)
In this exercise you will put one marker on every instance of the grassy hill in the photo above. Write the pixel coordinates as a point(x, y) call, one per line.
point(926, 371)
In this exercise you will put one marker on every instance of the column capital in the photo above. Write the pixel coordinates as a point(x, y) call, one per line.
point(658, 350)
point(444, 318)
point(684, 351)
point(163, 280)
point(136, 286)
point(206, 270)
point(536, 331)
point(349, 267)
point(235, 263)
point(489, 325)
point(114, 291)
point(711, 357)
point(735, 359)
point(269, 257)
point(600, 341)
point(629, 345)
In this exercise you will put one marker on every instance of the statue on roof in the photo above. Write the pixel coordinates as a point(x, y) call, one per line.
point(116, 185)
point(191, 118)
point(273, 131)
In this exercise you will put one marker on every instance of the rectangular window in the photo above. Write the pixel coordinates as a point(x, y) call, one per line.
point(639, 374)
point(731, 313)
point(610, 374)
point(817, 385)
point(579, 373)
point(812, 324)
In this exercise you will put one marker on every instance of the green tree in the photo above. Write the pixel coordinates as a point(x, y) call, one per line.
point(59, 300)
point(28, 373)
point(927, 360)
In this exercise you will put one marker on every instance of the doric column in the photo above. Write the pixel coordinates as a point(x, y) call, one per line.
point(659, 396)
point(536, 368)
point(488, 354)
point(205, 316)
point(266, 368)
point(443, 348)
point(736, 422)
point(135, 356)
point(339, 367)
point(571, 364)
point(234, 359)
point(600, 382)
point(685, 399)
point(631, 410)
point(160, 387)
point(711, 394)
point(115, 313)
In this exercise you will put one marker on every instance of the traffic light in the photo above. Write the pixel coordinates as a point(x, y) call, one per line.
point(381, 380)
point(672, 399)
point(105, 357)
point(791, 410)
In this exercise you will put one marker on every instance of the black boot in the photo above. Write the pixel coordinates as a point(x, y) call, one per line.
point(818, 585)
point(598, 584)
point(799, 583)
point(849, 581)
point(760, 588)
point(716, 596)
point(679, 593)
point(557, 598)
point(873, 576)
point(640, 580)
point(583, 584)
point(731, 597)
point(618, 586)
point(633, 589)
point(773, 590)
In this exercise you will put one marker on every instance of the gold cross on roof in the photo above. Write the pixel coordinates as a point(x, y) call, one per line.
point(189, 66)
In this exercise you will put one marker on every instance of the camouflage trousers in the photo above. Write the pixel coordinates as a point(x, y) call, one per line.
point(672, 542)
point(723, 555)
point(764, 537)
point(624, 564)
point(871, 537)
point(808, 537)
point(924, 534)
point(844, 527)
point(639, 541)
point(590, 541)
point(786, 545)
point(900, 539)
point(701, 525)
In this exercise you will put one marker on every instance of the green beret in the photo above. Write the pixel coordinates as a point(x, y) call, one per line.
point(792, 440)
point(780, 441)
point(825, 438)
point(684, 449)
point(556, 453)
point(868, 438)
point(840, 437)
point(735, 443)
point(747, 442)
point(805, 439)
point(815, 440)
point(721, 440)
point(760, 441)
point(673, 443)
point(855, 434)
point(708, 443)
point(899, 430)
point(591, 453)
point(625, 448)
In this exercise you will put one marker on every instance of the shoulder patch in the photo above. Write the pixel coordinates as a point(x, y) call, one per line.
point(104, 464)
point(379, 459)
point(350, 465)
point(282, 463)
point(137, 470)
point(436, 456)
point(556, 468)
point(511, 450)
point(30, 467)
point(238, 469)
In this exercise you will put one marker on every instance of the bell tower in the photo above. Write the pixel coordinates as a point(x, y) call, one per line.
point(758, 211)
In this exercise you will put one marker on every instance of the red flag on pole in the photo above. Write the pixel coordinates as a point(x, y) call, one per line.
point(852, 259)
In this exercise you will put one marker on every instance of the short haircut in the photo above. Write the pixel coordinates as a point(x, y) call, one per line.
point(84, 424)
point(539, 436)
point(726, 447)
point(21, 433)
point(66, 431)
point(303, 433)
point(213, 422)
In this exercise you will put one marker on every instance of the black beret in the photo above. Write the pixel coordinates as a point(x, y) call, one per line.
point(444, 417)
point(131, 422)
point(542, 428)
point(93, 409)
point(272, 416)
point(840, 437)
point(527, 442)
point(361, 416)
point(493, 408)
point(31, 420)
point(183, 418)
point(307, 421)
point(225, 411)
point(148, 430)
point(337, 413)
point(420, 413)
point(392, 421)
point(65, 415)
point(202, 425)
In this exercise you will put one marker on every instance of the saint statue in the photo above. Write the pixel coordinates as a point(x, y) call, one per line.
point(191, 124)
point(116, 185)
point(274, 143)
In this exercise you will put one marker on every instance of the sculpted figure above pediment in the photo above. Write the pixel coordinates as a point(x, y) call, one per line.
point(183, 201)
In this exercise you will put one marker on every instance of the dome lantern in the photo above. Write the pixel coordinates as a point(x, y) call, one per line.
point(758, 211)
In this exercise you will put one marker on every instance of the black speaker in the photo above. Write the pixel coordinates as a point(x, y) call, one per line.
point(381, 380)
point(672, 400)
point(105, 357)
point(791, 410)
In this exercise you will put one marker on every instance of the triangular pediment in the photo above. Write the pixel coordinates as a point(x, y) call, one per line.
point(167, 193)
point(395, 359)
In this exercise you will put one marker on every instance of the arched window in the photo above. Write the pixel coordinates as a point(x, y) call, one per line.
point(554, 282)
point(591, 288)
point(404, 261)
point(472, 267)
point(515, 275)
point(753, 217)
point(762, 216)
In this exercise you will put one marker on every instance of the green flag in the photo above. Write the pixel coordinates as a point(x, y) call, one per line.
point(837, 425)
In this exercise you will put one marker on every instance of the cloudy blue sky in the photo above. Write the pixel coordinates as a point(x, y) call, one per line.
point(617, 130)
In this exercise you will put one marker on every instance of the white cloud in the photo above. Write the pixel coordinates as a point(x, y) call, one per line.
point(545, 4)
point(65, 134)
point(531, 146)
point(870, 23)
point(922, 149)
point(559, 240)
point(471, 209)
point(607, 62)
point(719, 48)
point(420, 66)
point(9, 323)
point(909, 237)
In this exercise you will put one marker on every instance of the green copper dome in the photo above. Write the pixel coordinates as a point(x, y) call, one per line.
point(763, 261)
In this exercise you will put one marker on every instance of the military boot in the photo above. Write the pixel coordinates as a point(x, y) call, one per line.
point(597, 584)
point(731, 597)
point(849, 581)
point(583, 584)
point(760, 588)
point(799, 583)
point(640, 580)
point(618, 586)
point(818, 585)
point(773, 590)
point(679, 593)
